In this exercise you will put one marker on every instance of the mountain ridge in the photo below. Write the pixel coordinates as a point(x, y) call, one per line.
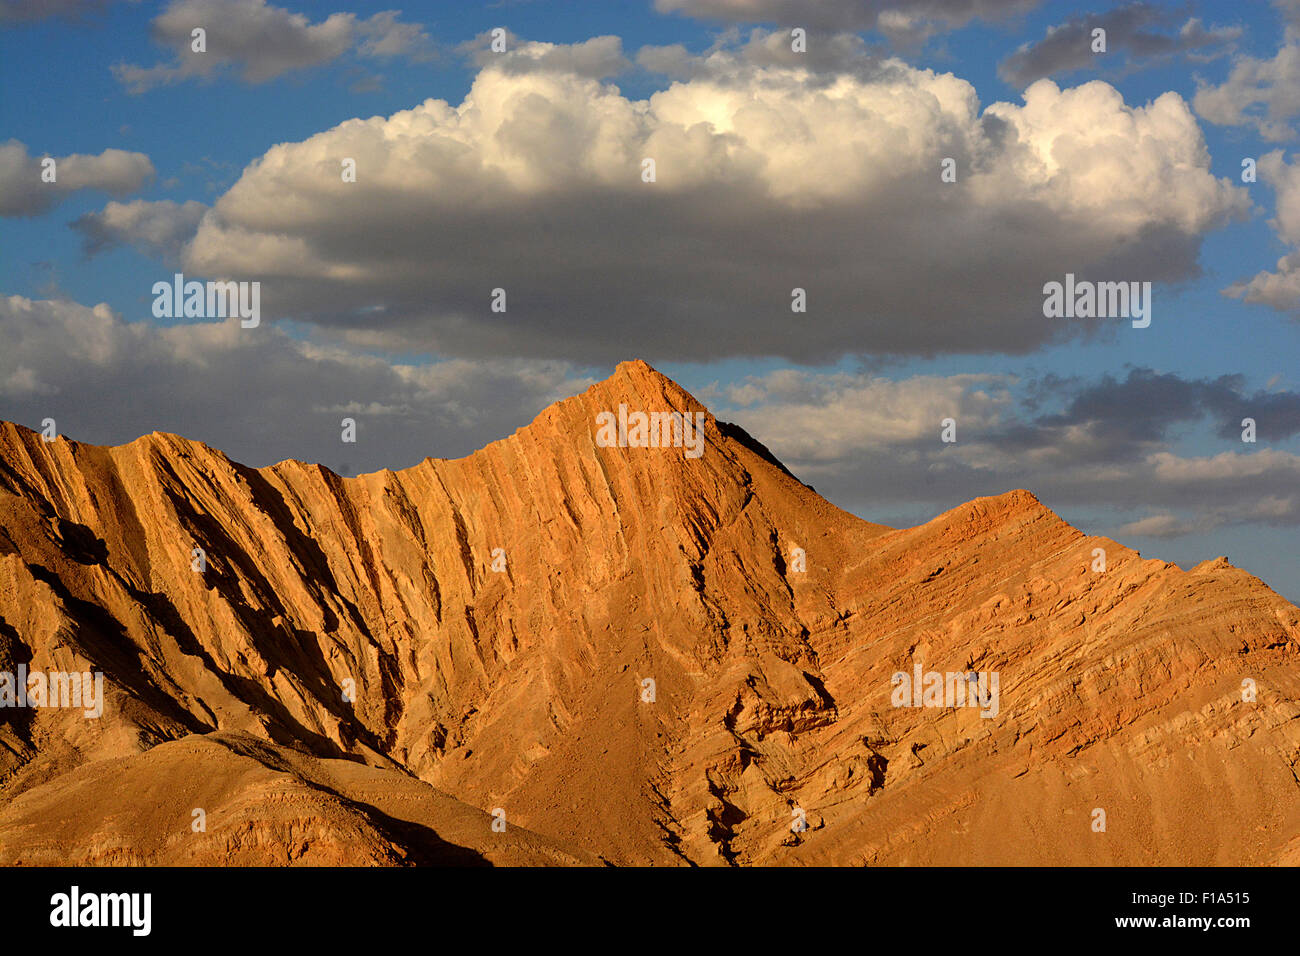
point(516, 681)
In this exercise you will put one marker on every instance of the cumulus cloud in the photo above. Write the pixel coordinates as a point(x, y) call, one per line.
point(159, 228)
point(906, 21)
point(262, 41)
point(1279, 289)
point(1136, 29)
point(257, 394)
point(767, 179)
point(24, 192)
point(1263, 94)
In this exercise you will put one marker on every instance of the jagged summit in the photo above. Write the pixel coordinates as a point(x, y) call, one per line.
point(649, 382)
point(634, 383)
point(638, 655)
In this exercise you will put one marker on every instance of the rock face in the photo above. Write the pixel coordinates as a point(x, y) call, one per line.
point(620, 651)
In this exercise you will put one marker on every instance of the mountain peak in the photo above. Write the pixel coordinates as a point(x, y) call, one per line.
point(636, 381)
point(639, 653)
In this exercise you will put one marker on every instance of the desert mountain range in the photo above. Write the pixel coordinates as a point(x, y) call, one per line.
point(554, 652)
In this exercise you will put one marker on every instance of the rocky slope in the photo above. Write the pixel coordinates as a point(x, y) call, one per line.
point(617, 649)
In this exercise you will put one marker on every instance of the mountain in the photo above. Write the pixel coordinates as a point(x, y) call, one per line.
point(561, 650)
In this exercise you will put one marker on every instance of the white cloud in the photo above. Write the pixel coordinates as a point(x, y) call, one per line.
point(1264, 94)
point(1164, 526)
point(23, 191)
point(1279, 289)
point(768, 178)
point(1229, 510)
point(1227, 466)
point(817, 417)
point(386, 36)
point(262, 41)
point(160, 228)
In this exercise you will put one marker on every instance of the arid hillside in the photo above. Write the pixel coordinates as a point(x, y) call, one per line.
point(559, 651)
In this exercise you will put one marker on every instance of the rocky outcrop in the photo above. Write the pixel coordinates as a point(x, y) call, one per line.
point(622, 650)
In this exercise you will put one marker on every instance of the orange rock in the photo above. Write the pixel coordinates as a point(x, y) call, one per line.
point(613, 647)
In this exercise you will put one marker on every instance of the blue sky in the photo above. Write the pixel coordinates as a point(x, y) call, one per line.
point(1030, 400)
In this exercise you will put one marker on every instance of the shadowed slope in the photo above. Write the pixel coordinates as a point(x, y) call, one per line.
point(230, 799)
